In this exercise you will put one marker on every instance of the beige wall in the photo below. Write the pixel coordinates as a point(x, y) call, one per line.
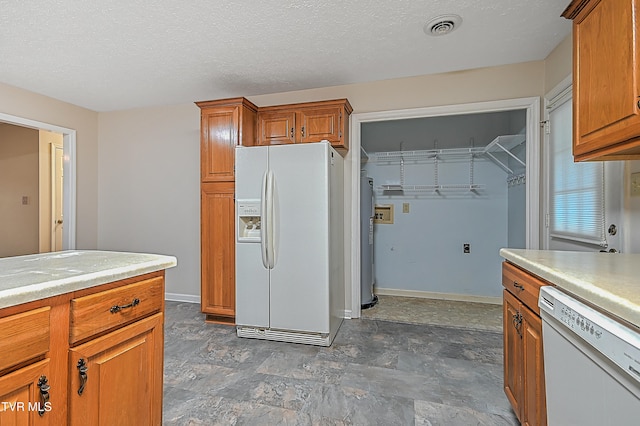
point(483, 84)
point(149, 158)
point(25, 104)
point(149, 187)
point(559, 64)
point(19, 178)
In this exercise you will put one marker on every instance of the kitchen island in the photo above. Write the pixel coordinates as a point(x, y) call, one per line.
point(81, 338)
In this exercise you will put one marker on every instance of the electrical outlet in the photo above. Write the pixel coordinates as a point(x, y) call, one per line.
point(635, 184)
point(466, 248)
point(405, 207)
point(25, 200)
point(383, 213)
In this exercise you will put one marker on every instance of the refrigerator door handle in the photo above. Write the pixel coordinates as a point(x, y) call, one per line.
point(264, 221)
point(270, 220)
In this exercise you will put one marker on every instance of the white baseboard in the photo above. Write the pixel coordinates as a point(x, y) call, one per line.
point(439, 296)
point(177, 297)
point(347, 314)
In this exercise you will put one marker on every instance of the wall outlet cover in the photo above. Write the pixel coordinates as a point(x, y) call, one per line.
point(383, 214)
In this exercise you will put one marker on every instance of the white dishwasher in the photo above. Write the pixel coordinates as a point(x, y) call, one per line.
point(591, 364)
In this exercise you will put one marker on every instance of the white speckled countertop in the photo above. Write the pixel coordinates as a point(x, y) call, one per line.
point(609, 281)
point(27, 278)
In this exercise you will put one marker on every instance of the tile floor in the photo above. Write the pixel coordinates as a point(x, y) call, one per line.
point(375, 373)
point(411, 310)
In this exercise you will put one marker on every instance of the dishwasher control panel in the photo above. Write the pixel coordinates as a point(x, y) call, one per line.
point(614, 340)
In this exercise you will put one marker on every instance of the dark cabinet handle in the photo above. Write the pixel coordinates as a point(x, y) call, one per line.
point(638, 104)
point(118, 308)
point(82, 370)
point(517, 322)
point(43, 384)
point(518, 286)
point(292, 133)
point(302, 130)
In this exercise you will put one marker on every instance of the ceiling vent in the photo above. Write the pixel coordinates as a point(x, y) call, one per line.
point(442, 25)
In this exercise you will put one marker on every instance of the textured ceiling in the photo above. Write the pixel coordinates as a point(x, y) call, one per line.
point(119, 54)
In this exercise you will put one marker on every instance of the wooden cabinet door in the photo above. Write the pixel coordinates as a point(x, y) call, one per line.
point(21, 402)
point(512, 351)
point(607, 80)
point(319, 124)
point(218, 250)
point(277, 127)
point(219, 137)
point(123, 377)
point(534, 398)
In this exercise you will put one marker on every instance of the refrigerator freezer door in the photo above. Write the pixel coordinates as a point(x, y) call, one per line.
point(252, 278)
point(300, 276)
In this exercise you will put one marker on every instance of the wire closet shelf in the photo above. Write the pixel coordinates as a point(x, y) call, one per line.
point(501, 144)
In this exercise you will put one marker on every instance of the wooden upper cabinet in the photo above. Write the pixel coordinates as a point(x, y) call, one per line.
point(277, 127)
point(606, 79)
point(306, 122)
point(224, 124)
point(319, 124)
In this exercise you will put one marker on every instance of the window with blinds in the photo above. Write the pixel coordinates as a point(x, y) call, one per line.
point(576, 189)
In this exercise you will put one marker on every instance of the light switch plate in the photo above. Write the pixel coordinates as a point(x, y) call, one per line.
point(635, 184)
point(405, 207)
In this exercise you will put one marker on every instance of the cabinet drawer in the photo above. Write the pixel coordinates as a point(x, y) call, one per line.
point(24, 336)
point(524, 286)
point(109, 309)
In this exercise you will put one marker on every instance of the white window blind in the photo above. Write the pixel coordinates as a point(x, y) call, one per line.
point(576, 189)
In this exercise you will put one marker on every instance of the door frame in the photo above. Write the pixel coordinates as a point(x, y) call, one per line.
point(69, 171)
point(532, 107)
point(54, 195)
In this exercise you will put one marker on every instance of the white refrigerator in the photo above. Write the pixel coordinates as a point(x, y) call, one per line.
point(289, 243)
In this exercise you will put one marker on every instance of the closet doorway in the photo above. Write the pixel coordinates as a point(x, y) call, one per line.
point(67, 235)
point(456, 178)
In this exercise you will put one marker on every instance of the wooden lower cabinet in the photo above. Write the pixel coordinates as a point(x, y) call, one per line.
point(524, 383)
point(512, 352)
point(122, 382)
point(534, 398)
point(218, 251)
point(120, 344)
point(21, 401)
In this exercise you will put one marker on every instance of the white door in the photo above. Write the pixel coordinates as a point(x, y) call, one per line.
point(593, 214)
point(300, 276)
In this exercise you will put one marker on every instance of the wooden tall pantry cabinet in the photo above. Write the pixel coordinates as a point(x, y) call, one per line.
point(225, 124)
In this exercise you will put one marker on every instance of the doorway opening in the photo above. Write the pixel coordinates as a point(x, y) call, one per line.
point(55, 221)
point(400, 182)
